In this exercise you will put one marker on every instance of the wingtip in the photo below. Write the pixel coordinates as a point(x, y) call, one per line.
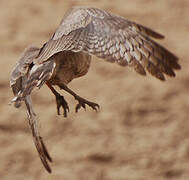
point(160, 36)
point(177, 66)
point(49, 170)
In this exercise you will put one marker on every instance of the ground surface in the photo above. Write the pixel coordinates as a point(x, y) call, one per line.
point(142, 129)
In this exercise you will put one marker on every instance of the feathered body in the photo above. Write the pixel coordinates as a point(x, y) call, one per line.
point(69, 65)
point(67, 54)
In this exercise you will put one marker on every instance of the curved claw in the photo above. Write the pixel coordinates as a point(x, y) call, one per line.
point(61, 102)
point(83, 102)
point(78, 106)
point(96, 107)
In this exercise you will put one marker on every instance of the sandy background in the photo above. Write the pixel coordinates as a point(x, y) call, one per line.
point(142, 129)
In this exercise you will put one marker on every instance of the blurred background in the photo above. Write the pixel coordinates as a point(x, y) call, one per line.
point(142, 129)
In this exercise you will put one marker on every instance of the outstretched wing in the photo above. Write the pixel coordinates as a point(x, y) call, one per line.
point(112, 38)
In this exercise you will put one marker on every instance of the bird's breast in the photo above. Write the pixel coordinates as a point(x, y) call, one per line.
point(70, 65)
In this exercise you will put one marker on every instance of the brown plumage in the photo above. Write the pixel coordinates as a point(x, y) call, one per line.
point(84, 32)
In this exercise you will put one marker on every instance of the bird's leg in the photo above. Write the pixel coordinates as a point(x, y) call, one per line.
point(81, 101)
point(60, 101)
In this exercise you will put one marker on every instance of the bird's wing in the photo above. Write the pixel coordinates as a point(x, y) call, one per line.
point(26, 75)
point(36, 77)
point(23, 63)
point(38, 141)
point(19, 73)
point(112, 38)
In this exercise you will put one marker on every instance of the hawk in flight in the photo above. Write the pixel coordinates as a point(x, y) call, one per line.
point(67, 55)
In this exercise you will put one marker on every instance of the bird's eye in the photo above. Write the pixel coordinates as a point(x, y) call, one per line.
point(31, 65)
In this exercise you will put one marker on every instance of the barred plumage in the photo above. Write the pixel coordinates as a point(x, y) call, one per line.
point(67, 55)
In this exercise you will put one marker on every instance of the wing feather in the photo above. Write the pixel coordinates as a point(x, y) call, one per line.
point(23, 64)
point(36, 77)
point(23, 79)
point(19, 74)
point(26, 75)
point(112, 38)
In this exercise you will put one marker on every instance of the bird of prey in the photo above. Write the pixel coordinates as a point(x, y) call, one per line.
point(84, 32)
